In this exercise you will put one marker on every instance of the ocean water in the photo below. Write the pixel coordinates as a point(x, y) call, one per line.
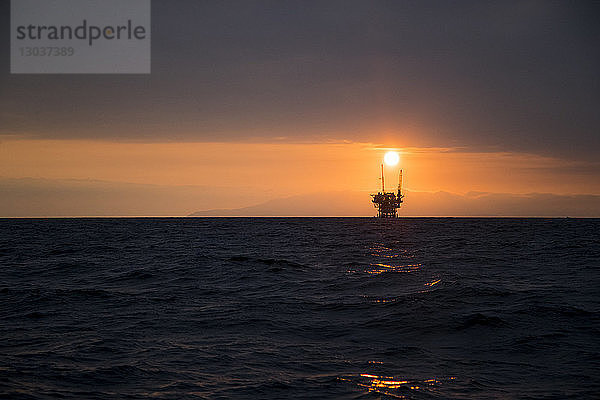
point(307, 308)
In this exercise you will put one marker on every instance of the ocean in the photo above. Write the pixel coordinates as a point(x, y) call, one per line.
point(300, 308)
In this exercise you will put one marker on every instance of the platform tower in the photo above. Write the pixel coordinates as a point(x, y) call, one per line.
point(388, 203)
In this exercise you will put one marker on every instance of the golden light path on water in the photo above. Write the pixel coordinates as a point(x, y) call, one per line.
point(393, 261)
point(387, 260)
point(381, 268)
point(400, 388)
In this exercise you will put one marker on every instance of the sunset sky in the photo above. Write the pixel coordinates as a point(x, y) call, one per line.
point(494, 103)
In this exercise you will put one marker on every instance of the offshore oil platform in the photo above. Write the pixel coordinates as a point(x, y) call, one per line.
point(388, 203)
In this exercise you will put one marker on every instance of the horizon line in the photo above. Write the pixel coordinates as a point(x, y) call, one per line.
point(298, 216)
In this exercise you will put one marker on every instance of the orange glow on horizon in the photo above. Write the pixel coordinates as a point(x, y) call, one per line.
point(287, 168)
point(265, 171)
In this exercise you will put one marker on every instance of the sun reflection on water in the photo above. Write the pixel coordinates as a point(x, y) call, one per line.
point(390, 260)
point(394, 387)
point(433, 283)
point(381, 268)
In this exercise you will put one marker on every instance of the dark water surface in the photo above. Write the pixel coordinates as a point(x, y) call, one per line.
point(280, 308)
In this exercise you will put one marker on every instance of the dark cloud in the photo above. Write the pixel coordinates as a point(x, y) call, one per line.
point(517, 75)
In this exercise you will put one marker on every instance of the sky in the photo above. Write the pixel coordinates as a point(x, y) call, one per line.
point(257, 101)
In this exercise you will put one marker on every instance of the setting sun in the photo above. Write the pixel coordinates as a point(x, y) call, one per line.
point(391, 158)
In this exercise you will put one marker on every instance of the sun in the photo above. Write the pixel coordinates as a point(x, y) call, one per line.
point(391, 158)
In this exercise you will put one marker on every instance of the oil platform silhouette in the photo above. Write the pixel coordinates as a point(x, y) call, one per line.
point(388, 203)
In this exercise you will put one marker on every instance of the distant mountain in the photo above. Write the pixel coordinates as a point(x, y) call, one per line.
point(424, 204)
point(339, 204)
point(26, 197)
point(35, 197)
